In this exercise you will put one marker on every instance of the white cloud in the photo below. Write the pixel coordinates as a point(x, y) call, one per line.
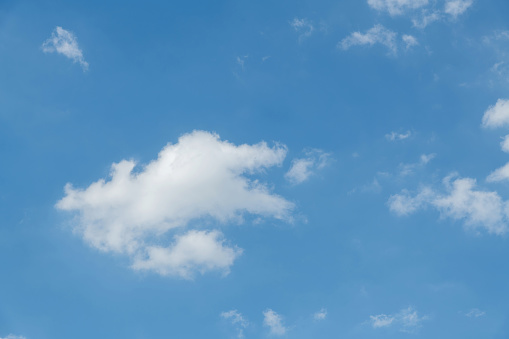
point(11, 336)
point(200, 178)
point(500, 174)
point(407, 320)
point(478, 209)
point(426, 19)
point(505, 144)
point(381, 320)
point(65, 43)
point(498, 115)
point(302, 26)
point(404, 204)
point(396, 7)
point(475, 313)
point(195, 251)
point(320, 315)
point(377, 34)
point(241, 60)
point(457, 7)
point(274, 321)
point(410, 41)
point(393, 136)
point(237, 320)
point(408, 169)
point(303, 168)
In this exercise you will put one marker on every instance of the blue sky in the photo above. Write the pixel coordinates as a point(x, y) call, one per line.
point(241, 169)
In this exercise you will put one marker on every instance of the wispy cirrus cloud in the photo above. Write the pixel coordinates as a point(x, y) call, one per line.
point(65, 42)
point(475, 313)
point(378, 34)
point(303, 26)
point(199, 178)
point(429, 10)
point(396, 7)
point(394, 136)
point(407, 320)
point(237, 320)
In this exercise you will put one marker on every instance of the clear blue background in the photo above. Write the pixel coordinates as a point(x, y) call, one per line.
point(161, 69)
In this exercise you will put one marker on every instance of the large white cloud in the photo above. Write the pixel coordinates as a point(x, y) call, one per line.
point(395, 7)
point(461, 201)
point(497, 115)
point(65, 43)
point(199, 179)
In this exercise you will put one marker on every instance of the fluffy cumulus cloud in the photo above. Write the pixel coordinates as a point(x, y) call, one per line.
point(302, 26)
point(303, 168)
point(65, 43)
point(237, 320)
point(192, 183)
point(460, 201)
point(396, 7)
point(193, 251)
point(457, 7)
point(497, 115)
point(378, 34)
point(407, 320)
point(274, 322)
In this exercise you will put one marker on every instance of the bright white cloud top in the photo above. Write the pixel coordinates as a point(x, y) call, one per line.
point(396, 7)
point(461, 201)
point(497, 115)
point(274, 322)
point(378, 34)
point(64, 42)
point(199, 177)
